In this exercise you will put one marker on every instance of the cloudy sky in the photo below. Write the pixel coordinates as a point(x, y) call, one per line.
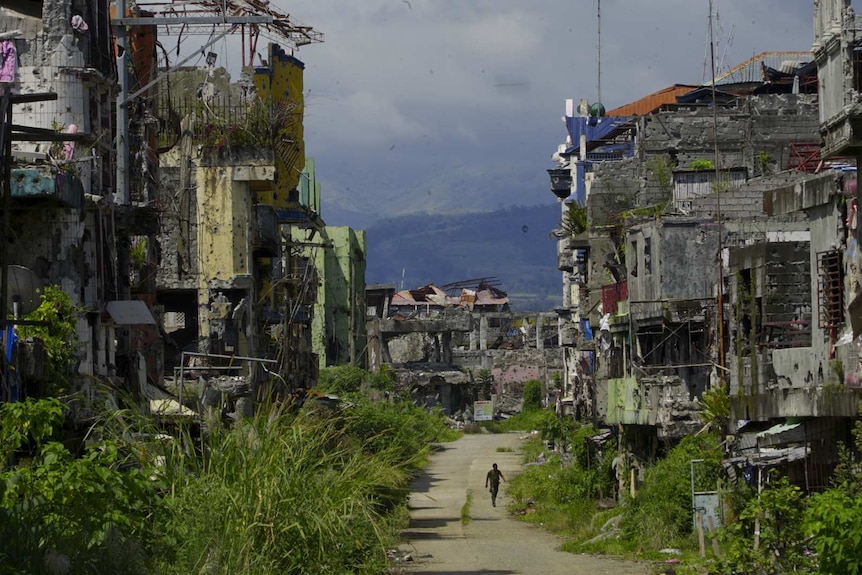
point(453, 105)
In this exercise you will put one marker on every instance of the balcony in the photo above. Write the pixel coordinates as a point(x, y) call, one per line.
point(565, 257)
point(264, 231)
point(47, 184)
point(569, 334)
point(561, 182)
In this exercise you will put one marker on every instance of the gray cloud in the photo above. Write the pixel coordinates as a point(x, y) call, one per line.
point(403, 93)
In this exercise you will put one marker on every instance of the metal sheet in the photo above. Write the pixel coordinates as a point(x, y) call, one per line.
point(130, 312)
point(778, 429)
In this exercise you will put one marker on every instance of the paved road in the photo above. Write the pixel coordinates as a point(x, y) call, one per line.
point(493, 543)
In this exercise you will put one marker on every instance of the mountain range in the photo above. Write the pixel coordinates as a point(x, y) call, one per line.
point(513, 244)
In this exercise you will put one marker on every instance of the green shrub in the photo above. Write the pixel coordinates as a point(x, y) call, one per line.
point(660, 515)
point(399, 427)
point(556, 429)
point(532, 395)
point(348, 379)
point(834, 519)
point(524, 421)
point(94, 513)
point(779, 509)
point(58, 333)
point(702, 164)
point(341, 379)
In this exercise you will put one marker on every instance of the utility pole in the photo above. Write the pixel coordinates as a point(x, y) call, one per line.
point(720, 298)
point(121, 194)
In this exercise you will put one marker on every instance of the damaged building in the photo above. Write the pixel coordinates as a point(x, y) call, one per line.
point(173, 205)
point(70, 224)
point(699, 249)
point(440, 341)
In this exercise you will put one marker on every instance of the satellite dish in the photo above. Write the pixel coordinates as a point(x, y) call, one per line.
point(24, 290)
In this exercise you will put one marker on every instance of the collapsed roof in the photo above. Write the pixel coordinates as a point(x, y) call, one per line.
point(484, 294)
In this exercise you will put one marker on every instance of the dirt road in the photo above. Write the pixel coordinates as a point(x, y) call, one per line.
point(492, 543)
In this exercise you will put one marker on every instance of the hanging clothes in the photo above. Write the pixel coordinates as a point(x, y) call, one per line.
point(8, 61)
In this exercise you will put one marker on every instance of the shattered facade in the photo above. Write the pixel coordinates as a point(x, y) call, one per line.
point(441, 341)
point(181, 255)
point(698, 252)
point(70, 225)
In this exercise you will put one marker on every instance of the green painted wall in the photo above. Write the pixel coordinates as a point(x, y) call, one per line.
point(338, 324)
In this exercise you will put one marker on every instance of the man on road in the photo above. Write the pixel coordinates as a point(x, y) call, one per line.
point(493, 479)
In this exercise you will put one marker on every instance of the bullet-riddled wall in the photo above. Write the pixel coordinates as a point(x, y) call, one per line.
point(281, 84)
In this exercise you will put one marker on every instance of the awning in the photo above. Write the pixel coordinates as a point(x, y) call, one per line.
point(769, 457)
point(778, 429)
point(130, 312)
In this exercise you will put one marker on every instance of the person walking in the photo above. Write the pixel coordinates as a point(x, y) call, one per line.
point(493, 479)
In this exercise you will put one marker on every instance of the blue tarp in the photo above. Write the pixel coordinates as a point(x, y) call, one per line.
point(594, 128)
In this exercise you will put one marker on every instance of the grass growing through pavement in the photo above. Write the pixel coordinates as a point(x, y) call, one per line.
point(465, 509)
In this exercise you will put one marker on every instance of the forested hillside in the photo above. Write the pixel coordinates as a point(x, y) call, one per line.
point(513, 244)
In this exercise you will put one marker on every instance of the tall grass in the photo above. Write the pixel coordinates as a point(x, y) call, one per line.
point(319, 491)
point(283, 494)
point(660, 515)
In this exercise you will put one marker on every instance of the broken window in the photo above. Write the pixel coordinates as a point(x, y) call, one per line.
point(830, 288)
point(648, 255)
point(857, 68)
point(634, 258)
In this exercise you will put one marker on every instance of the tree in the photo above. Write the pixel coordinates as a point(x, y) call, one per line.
point(532, 395)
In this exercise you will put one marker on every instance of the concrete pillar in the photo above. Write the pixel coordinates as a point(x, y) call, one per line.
point(858, 199)
point(384, 349)
point(540, 339)
point(483, 333)
point(245, 406)
point(447, 347)
point(474, 338)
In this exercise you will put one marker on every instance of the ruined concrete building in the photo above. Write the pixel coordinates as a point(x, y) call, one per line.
point(707, 247)
point(69, 225)
point(175, 208)
point(441, 341)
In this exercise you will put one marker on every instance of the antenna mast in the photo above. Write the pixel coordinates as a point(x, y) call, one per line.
point(717, 205)
point(599, 23)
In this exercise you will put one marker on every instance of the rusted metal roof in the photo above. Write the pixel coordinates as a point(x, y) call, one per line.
point(652, 102)
point(433, 296)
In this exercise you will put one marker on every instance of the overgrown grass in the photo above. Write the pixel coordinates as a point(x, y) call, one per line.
point(660, 515)
point(319, 491)
point(283, 494)
point(524, 421)
point(563, 493)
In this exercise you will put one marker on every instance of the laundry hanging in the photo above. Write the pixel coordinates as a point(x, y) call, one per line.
point(8, 61)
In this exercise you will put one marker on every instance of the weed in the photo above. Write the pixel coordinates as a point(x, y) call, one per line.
point(465, 509)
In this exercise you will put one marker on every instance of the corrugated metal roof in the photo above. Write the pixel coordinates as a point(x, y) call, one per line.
point(652, 102)
point(751, 71)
